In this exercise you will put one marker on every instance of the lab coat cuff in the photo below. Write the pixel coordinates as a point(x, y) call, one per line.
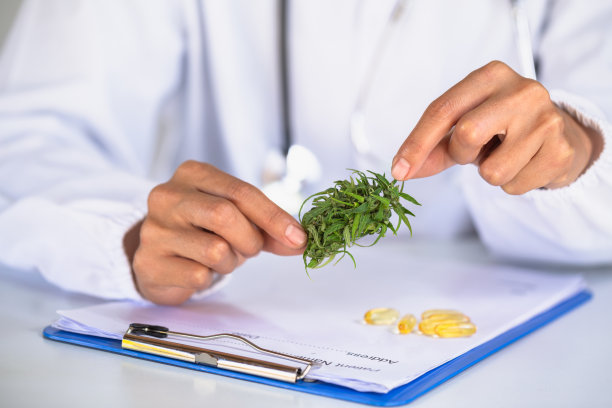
point(120, 268)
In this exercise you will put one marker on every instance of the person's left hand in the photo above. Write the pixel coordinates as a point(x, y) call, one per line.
point(505, 124)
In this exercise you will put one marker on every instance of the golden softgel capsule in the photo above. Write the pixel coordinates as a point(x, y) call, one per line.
point(406, 324)
point(455, 329)
point(381, 316)
point(455, 317)
point(428, 327)
point(446, 323)
point(436, 312)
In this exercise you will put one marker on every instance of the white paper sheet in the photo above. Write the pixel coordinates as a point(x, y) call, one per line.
point(273, 303)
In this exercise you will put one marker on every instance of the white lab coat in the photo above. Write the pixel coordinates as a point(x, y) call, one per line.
point(85, 87)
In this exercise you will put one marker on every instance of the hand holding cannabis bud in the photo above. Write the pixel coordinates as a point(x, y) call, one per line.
point(351, 210)
point(204, 221)
point(505, 124)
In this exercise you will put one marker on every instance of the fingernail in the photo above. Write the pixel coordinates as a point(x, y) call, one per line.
point(296, 235)
point(400, 169)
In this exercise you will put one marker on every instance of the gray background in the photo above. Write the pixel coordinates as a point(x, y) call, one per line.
point(8, 9)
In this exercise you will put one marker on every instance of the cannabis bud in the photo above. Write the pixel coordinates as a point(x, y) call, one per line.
point(352, 209)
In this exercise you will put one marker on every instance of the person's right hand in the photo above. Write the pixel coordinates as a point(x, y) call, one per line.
point(203, 221)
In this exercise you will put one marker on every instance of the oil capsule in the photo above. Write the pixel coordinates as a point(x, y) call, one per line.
point(381, 316)
point(455, 329)
point(406, 324)
point(428, 327)
point(456, 317)
point(426, 314)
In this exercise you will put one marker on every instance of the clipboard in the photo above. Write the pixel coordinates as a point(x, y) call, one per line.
point(399, 396)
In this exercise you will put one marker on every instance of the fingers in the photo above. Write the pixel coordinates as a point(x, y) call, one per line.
point(175, 264)
point(203, 221)
point(169, 280)
point(186, 209)
point(206, 249)
point(166, 295)
point(489, 136)
point(509, 158)
point(250, 201)
point(477, 127)
point(536, 174)
point(548, 168)
point(222, 217)
point(441, 115)
point(533, 158)
point(479, 134)
point(175, 272)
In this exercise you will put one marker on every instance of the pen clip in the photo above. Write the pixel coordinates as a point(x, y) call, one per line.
point(148, 339)
point(149, 330)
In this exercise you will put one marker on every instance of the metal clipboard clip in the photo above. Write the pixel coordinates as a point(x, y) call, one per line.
point(147, 338)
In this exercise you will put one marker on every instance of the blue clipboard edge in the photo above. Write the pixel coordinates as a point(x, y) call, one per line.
point(398, 396)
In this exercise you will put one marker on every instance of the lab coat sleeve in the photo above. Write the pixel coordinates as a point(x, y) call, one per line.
point(80, 91)
point(570, 225)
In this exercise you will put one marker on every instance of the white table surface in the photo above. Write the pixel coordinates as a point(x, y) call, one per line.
point(567, 363)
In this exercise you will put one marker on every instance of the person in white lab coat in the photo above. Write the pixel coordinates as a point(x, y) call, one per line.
point(101, 102)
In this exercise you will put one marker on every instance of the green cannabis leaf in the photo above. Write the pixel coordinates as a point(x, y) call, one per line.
point(352, 209)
